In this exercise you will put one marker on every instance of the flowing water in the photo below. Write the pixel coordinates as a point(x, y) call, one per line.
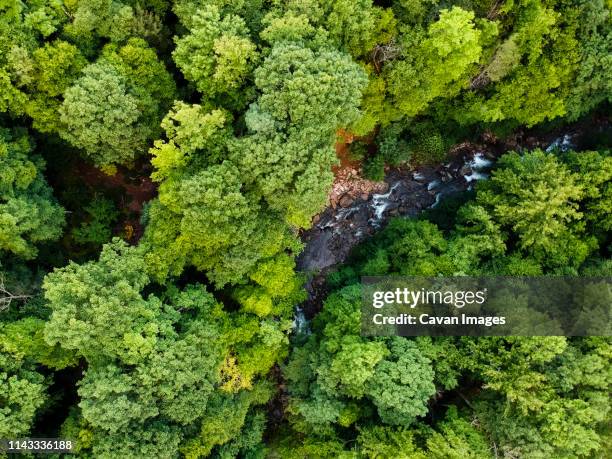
point(339, 229)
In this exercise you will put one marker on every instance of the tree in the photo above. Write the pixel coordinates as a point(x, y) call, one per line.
point(402, 383)
point(338, 374)
point(22, 394)
point(226, 204)
point(183, 344)
point(52, 69)
point(594, 173)
point(543, 42)
point(590, 87)
point(436, 65)
point(478, 238)
point(111, 19)
point(28, 212)
point(354, 27)
point(155, 366)
point(190, 130)
point(409, 247)
point(292, 173)
point(305, 96)
point(384, 441)
point(226, 417)
point(97, 230)
point(549, 402)
point(453, 437)
point(220, 229)
point(101, 116)
point(536, 198)
point(458, 437)
point(217, 55)
point(94, 298)
point(302, 87)
point(113, 109)
point(24, 340)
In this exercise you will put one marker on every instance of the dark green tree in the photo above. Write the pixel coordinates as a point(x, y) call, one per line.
point(29, 214)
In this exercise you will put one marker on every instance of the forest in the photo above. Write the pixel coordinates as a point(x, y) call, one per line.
point(164, 165)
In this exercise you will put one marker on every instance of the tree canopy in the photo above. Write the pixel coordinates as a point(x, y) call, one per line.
point(165, 163)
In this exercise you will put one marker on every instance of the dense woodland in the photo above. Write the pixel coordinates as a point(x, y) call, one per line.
point(159, 160)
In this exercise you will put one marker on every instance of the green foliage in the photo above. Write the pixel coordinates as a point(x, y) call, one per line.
point(28, 212)
point(226, 418)
point(23, 382)
point(427, 144)
point(507, 57)
point(408, 247)
point(548, 409)
point(591, 87)
point(391, 146)
point(402, 384)
point(110, 111)
point(101, 116)
point(97, 231)
point(536, 198)
point(384, 441)
point(358, 150)
point(437, 64)
point(88, 296)
point(24, 339)
point(354, 27)
point(217, 55)
point(338, 367)
point(526, 220)
point(532, 73)
point(594, 173)
point(22, 394)
point(537, 397)
point(374, 168)
point(456, 437)
point(413, 12)
point(48, 72)
point(226, 205)
point(293, 180)
point(239, 104)
point(220, 229)
point(293, 77)
point(155, 364)
point(517, 63)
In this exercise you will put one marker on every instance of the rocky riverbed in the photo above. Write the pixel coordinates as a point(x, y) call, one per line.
point(357, 215)
point(404, 192)
point(359, 208)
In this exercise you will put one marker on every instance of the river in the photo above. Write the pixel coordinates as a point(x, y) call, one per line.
point(407, 191)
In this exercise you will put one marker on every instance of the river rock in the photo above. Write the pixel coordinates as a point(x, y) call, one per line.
point(346, 201)
point(465, 170)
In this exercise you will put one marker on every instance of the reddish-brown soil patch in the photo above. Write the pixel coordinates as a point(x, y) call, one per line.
point(345, 139)
point(348, 181)
point(134, 188)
